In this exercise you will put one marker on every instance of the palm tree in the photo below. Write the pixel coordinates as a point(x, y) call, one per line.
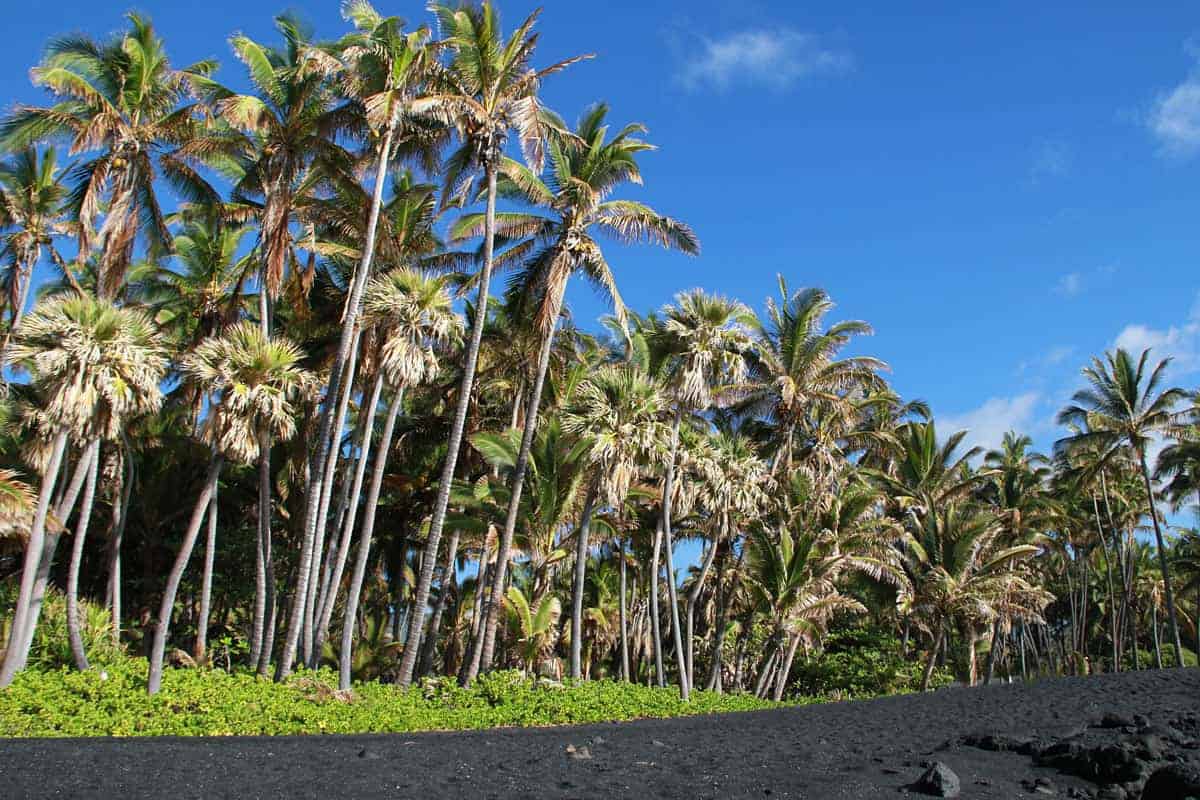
point(532, 627)
point(31, 217)
point(253, 382)
point(699, 350)
point(796, 369)
point(384, 71)
point(122, 102)
point(962, 574)
point(485, 90)
point(586, 167)
point(1124, 408)
point(620, 410)
point(416, 315)
point(96, 365)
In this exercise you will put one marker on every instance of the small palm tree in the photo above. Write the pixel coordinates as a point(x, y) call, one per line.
point(254, 384)
point(532, 627)
point(1125, 407)
point(485, 90)
point(31, 218)
point(123, 103)
point(96, 365)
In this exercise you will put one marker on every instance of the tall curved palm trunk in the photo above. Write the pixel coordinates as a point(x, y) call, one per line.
point(17, 653)
point(163, 623)
point(200, 652)
point(367, 414)
point(496, 593)
point(353, 594)
point(577, 590)
point(1168, 592)
point(325, 425)
point(438, 520)
point(669, 547)
point(74, 635)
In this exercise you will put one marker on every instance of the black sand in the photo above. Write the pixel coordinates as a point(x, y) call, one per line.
point(848, 750)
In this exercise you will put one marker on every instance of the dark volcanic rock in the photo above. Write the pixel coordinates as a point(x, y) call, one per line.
point(1173, 782)
point(939, 781)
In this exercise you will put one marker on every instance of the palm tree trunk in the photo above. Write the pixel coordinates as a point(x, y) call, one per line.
point(668, 481)
point(694, 596)
point(1112, 596)
point(311, 609)
point(991, 659)
point(714, 670)
point(366, 426)
point(492, 621)
point(623, 613)
point(435, 622)
point(325, 423)
point(1168, 592)
point(932, 659)
point(264, 604)
point(74, 635)
point(785, 670)
point(120, 512)
point(200, 653)
point(655, 624)
point(23, 273)
point(17, 652)
point(353, 594)
point(438, 518)
point(768, 669)
point(577, 587)
point(1158, 659)
point(163, 622)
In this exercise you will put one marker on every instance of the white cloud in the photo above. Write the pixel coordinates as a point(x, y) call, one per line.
point(1070, 284)
point(987, 424)
point(776, 59)
point(1175, 117)
point(1051, 159)
point(1181, 342)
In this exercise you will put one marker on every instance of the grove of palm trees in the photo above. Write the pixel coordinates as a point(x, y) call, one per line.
point(303, 412)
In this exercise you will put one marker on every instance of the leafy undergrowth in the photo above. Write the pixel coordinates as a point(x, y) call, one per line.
point(112, 701)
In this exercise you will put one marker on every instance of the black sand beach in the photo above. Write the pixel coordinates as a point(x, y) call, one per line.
point(847, 750)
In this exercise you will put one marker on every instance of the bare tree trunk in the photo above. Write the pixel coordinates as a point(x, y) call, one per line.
point(210, 553)
point(1168, 592)
point(330, 591)
point(581, 550)
point(624, 623)
point(325, 422)
point(655, 624)
point(85, 515)
point(785, 670)
point(435, 624)
point(120, 512)
point(1112, 596)
point(492, 620)
point(311, 608)
point(353, 594)
point(265, 574)
point(668, 481)
point(932, 659)
point(19, 639)
point(438, 519)
point(694, 596)
point(714, 671)
point(768, 669)
point(163, 623)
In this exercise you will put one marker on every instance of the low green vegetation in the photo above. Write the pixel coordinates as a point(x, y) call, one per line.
point(112, 701)
point(862, 663)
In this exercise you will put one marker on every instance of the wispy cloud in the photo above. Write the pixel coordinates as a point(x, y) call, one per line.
point(987, 424)
point(1075, 283)
point(1051, 159)
point(1175, 117)
point(1070, 284)
point(1181, 342)
point(776, 59)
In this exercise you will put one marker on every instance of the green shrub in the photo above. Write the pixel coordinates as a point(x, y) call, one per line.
point(51, 647)
point(194, 702)
point(861, 662)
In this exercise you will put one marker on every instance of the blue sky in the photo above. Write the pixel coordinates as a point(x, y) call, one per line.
point(1000, 189)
